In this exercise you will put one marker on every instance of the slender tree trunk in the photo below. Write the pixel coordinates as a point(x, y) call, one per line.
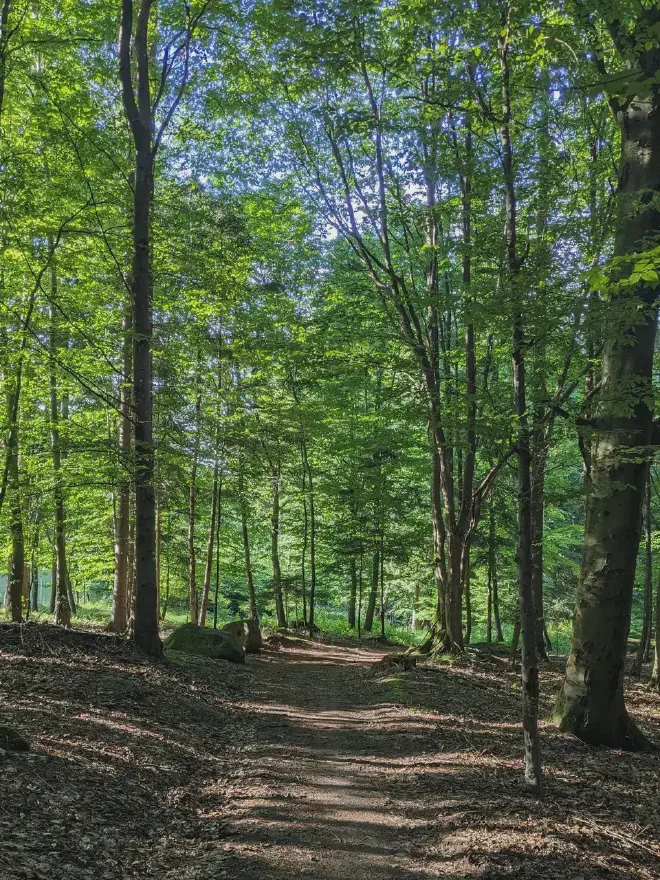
point(303, 559)
point(312, 539)
point(119, 619)
point(645, 636)
point(655, 675)
point(468, 600)
point(217, 557)
point(248, 564)
point(373, 594)
point(275, 551)
point(538, 479)
point(439, 538)
point(130, 585)
point(353, 594)
point(215, 500)
point(62, 603)
point(17, 567)
point(53, 580)
point(140, 118)
point(192, 512)
point(382, 584)
point(530, 680)
point(591, 703)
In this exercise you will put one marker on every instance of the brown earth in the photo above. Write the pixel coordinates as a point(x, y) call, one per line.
point(305, 763)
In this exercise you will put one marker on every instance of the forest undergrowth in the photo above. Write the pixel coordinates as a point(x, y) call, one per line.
point(306, 762)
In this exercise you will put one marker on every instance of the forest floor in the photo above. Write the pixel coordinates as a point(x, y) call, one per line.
point(306, 762)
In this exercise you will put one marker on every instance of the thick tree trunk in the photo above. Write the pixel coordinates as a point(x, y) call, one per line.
point(591, 703)
point(275, 550)
point(352, 598)
point(373, 593)
point(119, 618)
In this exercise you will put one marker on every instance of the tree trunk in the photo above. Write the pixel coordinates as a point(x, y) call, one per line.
point(591, 703)
point(140, 118)
point(303, 558)
point(275, 551)
point(17, 567)
point(119, 618)
point(62, 602)
point(353, 594)
point(468, 600)
point(53, 580)
point(530, 680)
point(34, 588)
point(217, 488)
point(217, 557)
point(382, 584)
point(655, 675)
point(538, 479)
point(192, 511)
point(373, 594)
point(248, 564)
point(312, 539)
point(645, 636)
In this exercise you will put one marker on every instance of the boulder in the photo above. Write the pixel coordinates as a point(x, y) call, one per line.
point(254, 640)
point(12, 740)
point(216, 644)
point(247, 632)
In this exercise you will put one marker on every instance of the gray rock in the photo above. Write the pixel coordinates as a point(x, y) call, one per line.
point(216, 644)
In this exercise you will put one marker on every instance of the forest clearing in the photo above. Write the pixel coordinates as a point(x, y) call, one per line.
point(306, 762)
point(329, 488)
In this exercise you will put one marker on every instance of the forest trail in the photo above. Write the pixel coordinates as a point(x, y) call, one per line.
point(304, 762)
point(325, 760)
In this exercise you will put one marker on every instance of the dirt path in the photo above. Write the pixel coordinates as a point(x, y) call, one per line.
point(303, 763)
point(324, 751)
point(352, 775)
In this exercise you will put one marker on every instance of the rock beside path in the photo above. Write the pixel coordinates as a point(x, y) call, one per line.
point(247, 633)
point(216, 644)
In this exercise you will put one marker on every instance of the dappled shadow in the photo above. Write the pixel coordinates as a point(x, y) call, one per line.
point(416, 775)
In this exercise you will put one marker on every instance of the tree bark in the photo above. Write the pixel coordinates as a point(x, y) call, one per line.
point(215, 499)
point(312, 538)
point(353, 594)
point(591, 702)
point(139, 114)
point(530, 682)
point(373, 593)
point(275, 551)
point(246, 546)
point(17, 559)
point(538, 480)
point(645, 636)
point(303, 558)
point(193, 608)
point(119, 618)
point(62, 602)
